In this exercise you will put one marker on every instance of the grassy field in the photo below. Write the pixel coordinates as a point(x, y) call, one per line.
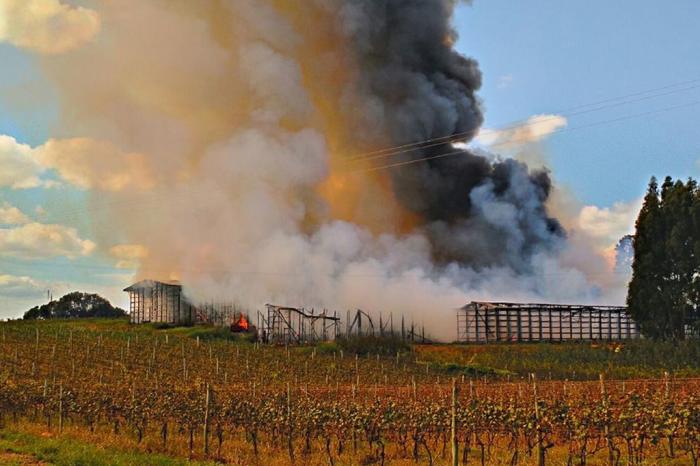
point(32, 447)
point(575, 361)
point(555, 361)
point(99, 392)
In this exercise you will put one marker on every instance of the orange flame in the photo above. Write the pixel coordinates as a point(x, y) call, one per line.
point(241, 324)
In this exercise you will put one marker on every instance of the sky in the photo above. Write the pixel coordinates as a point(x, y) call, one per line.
point(547, 56)
point(570, 64)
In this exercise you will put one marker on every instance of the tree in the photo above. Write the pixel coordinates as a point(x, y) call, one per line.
point(75, 305)
point(664, 290)
point(642, 297)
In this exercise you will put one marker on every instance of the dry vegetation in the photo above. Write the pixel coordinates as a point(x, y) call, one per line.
point(217, 399)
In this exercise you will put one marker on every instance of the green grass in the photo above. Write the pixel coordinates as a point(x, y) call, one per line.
point(576, 361)
point(208, 332)
point(121, 328)
point(69, 452)
point(470, 370)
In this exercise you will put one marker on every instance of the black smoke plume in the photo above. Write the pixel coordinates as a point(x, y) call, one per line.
point(476, 209)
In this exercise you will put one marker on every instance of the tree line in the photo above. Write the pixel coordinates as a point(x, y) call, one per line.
point(75, 305)
point(664, 293)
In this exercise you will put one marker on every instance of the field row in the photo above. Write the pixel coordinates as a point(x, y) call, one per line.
point(247, 403)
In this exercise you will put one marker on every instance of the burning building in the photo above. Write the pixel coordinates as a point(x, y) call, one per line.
point(308, 152)
point(155, 301)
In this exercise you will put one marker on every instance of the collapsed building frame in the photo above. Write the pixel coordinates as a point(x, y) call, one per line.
point(291, 325)
point(360, 323)
point(486, 322)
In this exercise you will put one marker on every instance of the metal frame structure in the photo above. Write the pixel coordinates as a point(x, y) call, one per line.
point(154, 301)
point(362, 324)
point(220, 314)
point(291, 325)
point(485, 322)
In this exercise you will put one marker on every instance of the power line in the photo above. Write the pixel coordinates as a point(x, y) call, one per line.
point(72, 215)
point(77, 214)
point(463, 152)
point(427, 143)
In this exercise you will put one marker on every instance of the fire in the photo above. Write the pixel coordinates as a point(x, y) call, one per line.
point(241, 325)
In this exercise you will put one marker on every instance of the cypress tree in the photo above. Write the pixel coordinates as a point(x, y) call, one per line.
point(681, 265)
point(665, 286)
point(643, 293)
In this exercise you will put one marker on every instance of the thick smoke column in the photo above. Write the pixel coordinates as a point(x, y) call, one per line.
point(415, 87)
point(233, 129)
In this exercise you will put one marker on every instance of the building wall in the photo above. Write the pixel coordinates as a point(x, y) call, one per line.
point(159, 303)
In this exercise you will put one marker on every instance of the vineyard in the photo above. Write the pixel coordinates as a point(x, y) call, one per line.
point(241, 403)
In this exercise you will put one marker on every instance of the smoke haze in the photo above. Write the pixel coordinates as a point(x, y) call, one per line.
point(236, 140)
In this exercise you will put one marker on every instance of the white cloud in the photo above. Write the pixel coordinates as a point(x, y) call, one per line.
point(10, 215)
point(534, 129)
point(19, 167)
point(84, 163)
point(605, 226)
point(609, 223)
point(13, 286)
point(46, 26)
point(128, 255)
point(38, 241)
point(87, 163)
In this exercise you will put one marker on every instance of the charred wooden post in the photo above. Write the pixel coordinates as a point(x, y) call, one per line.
point(356, 326)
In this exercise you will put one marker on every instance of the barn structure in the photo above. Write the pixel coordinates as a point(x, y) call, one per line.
point(156, 301)
point(486, 322)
